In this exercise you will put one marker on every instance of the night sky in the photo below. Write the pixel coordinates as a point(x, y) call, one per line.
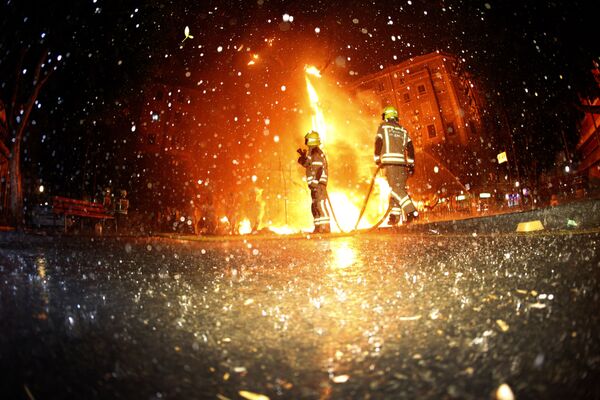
point(532, 57)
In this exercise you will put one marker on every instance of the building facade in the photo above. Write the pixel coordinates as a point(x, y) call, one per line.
point(436, 101)
point(4, 157)
point(442, 107)
point(588, 147)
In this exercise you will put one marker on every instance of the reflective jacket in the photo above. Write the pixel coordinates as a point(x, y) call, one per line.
point(393, 145)
point(316, 167)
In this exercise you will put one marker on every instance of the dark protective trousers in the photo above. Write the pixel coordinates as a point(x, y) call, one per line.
point(318, 208)
point(399, 199)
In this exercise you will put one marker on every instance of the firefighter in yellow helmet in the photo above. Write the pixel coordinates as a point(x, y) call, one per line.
point(395, 153)
point(315, 162)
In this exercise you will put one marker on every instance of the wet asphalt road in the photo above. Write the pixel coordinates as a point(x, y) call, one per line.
point(374, 316)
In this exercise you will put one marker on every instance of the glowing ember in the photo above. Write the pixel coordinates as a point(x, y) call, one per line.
point(245, 227)
point(282, 230)
point(253, 60)
point(312, 70)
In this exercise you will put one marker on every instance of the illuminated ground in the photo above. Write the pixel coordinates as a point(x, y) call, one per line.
point(371, 316)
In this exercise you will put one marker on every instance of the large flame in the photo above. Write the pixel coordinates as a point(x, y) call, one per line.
point(333, 132)
point(317, 119)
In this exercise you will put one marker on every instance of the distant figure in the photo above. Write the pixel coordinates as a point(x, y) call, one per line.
point(315, 162)
point(391, 144)
point(252, 207)
point(208, 222)
point(197, 215)
point(123, 203)
point(107, 202)
point(121, 210)
point(232, 212)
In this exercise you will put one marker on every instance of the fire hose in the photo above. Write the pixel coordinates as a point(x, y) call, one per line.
point(371, 229)
point(389, 209)
point(364, 207)
point(333, 214)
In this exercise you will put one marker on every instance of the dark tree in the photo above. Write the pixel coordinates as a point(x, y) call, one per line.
point(24, 94)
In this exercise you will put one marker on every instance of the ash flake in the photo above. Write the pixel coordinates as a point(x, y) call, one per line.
point(252, 396)
point(341, 378)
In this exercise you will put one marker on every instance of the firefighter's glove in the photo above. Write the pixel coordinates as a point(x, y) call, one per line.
point(411, 169)
point(302, 159)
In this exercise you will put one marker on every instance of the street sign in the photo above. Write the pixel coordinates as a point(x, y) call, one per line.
point(502, 157)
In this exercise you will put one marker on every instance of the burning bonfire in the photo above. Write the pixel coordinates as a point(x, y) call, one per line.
point(347, 140)
point(347, 133)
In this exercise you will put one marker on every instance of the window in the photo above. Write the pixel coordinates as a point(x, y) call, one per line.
point(421, 89)
point(431, 131)
point(406, 97)
point(450, 129)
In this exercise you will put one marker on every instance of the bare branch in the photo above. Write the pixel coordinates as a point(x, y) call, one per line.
point(38, 84)
point(38, 67)
point(11, 114)
point(588, 109)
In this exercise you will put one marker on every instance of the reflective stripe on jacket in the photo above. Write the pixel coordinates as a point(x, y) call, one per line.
point(391, 143)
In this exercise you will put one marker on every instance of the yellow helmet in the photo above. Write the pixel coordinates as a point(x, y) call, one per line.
point(389, 113)
point(312, 138)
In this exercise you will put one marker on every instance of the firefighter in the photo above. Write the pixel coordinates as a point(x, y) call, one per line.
point(394, 152)
point(315, 163)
